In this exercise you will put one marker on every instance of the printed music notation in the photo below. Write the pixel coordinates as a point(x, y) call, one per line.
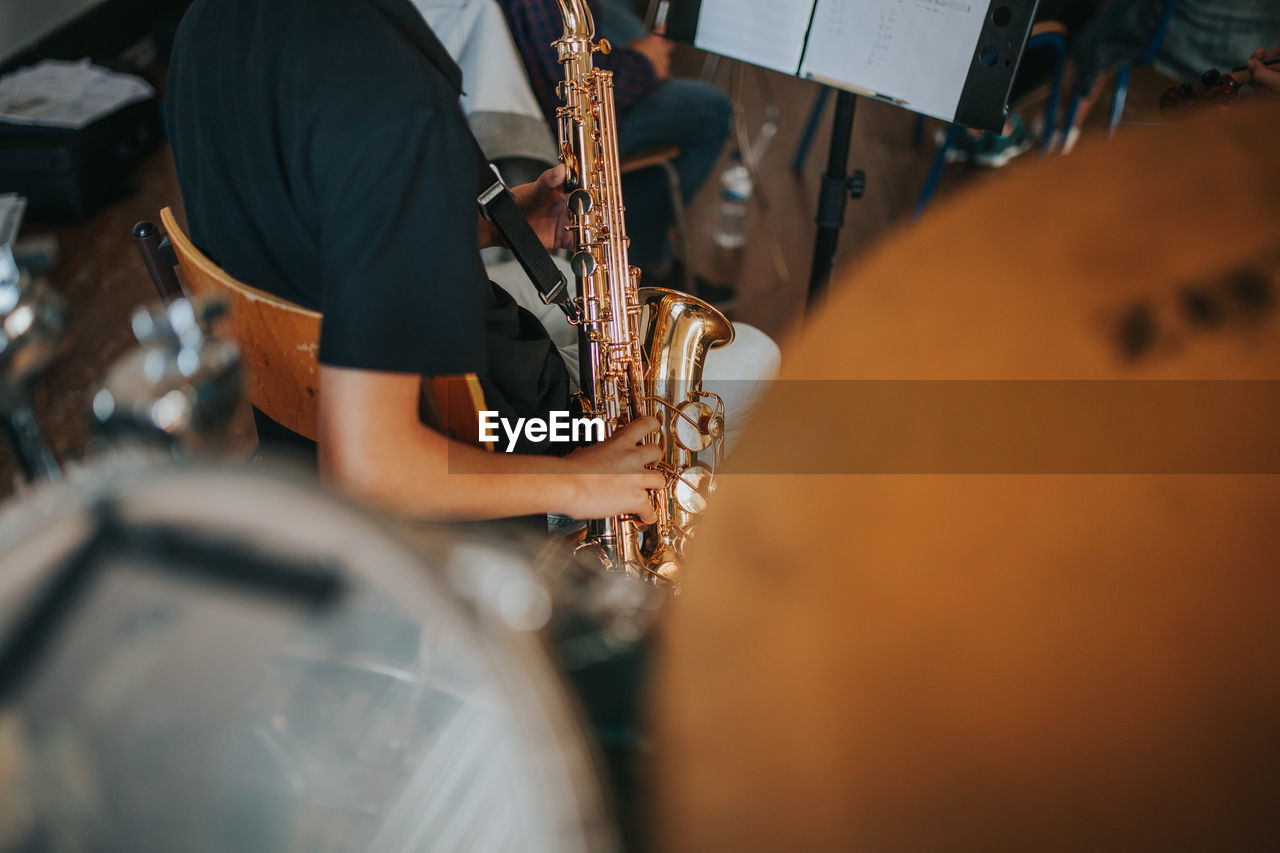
point(882, 44)
point(912, 51)
point(945, 5)
point(769, 33)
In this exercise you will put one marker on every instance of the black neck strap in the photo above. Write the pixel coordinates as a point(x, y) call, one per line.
point(498, 205)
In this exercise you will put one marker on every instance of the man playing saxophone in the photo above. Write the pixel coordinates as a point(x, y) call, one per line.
point(323, 158)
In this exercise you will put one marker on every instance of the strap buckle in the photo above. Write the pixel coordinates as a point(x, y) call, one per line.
point(492, 193)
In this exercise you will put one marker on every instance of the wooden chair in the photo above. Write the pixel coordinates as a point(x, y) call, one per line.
point(279, 341)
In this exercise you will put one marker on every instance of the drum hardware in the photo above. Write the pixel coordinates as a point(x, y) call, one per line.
point(181, 386)
point(32, 322)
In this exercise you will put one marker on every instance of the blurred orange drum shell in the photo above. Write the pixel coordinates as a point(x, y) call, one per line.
point(944, 655)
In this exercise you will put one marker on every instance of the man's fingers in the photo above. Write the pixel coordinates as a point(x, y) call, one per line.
point(553, 178)
point(638, 429)
point(654, 481)
point(1264, 77)
point(648, 453)
point(646, 514)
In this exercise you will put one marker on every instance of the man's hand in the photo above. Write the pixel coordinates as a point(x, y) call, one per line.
point(1264, 78)
point(613, 477)
point(545, 204)
point(657, 50)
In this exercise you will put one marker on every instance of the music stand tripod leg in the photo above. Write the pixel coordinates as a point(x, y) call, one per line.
point(837, 187)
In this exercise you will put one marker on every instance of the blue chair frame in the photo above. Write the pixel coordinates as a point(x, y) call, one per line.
point(1121, 92)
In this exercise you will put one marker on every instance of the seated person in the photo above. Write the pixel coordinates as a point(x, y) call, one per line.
point(654, 110)
point(1200, 35)
point(323, 158)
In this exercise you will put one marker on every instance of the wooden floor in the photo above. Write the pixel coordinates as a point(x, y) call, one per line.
point(103, 280)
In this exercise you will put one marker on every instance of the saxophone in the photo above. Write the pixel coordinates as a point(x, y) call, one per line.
point(641, 349)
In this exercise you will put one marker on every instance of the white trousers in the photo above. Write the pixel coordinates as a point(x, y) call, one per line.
point(739, 373)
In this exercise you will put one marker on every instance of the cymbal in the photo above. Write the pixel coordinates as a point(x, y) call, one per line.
point(1043, 649)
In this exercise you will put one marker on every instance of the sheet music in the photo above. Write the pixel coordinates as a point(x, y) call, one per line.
point(58, 93)
point(769, 33)
point(918, 51)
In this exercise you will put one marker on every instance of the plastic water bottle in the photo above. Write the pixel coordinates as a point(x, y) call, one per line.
point(735, 205)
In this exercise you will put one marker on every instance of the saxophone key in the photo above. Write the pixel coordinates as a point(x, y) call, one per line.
point(696, 426)
point(692, 489)
point(583, 264)
point(580, 202)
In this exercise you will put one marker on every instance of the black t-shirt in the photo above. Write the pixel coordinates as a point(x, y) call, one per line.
point(323, 157)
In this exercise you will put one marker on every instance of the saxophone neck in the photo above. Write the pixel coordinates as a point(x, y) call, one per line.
point(578, 23)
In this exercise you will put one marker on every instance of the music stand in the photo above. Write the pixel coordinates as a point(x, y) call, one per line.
point(950, 59)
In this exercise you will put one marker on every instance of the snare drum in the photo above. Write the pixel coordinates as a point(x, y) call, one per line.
point(226, 660)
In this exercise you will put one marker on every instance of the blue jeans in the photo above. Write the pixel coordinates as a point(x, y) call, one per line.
point(689, 114)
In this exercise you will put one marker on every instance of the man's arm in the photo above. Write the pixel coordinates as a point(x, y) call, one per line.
point(372, 444)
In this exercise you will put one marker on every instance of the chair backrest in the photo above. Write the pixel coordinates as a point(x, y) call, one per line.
point(278, 340)
point(279, 345)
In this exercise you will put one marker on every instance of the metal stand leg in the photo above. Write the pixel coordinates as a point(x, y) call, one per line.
point(1069, 120)
point(710, 68)
point(30, 449)
point(810, 128)
point(935, 171)
point(837, 186)
point(1118, 99)
point(752, 154)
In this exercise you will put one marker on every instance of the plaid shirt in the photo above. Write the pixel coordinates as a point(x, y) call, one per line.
point(535, 24)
